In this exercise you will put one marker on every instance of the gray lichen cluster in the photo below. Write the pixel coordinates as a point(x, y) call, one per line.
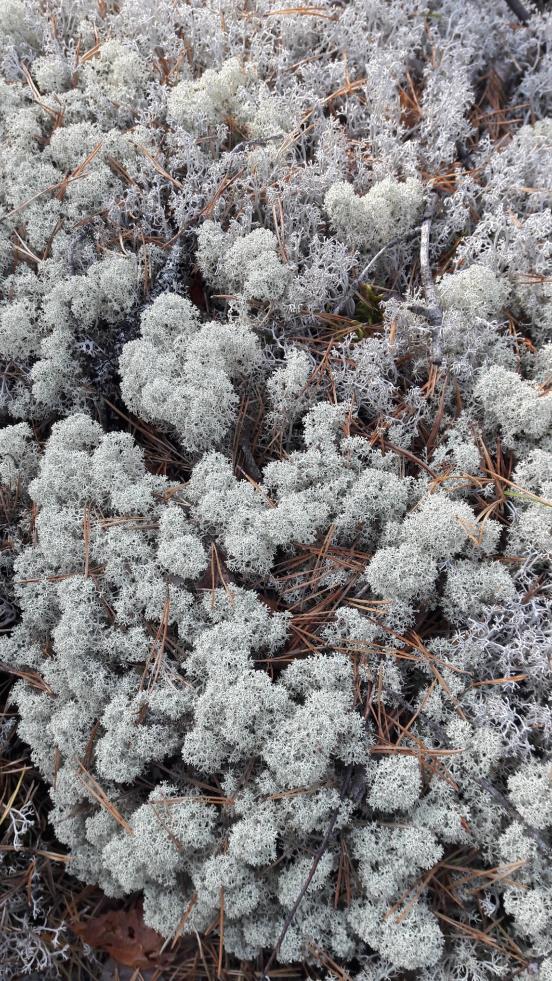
point(295, 675)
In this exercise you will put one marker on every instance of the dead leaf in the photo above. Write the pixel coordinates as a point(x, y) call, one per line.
point(124, 935)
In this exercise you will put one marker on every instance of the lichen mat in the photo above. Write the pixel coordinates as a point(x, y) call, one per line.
point(276, 465)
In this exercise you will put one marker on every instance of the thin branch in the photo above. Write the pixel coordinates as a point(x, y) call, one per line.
point(519, 10)
point(315, 863)
point(245, 144)
point(360, 280)
point(389, 245)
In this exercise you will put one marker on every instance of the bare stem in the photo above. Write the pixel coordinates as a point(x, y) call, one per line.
point(315, 863)
point(519, 10)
